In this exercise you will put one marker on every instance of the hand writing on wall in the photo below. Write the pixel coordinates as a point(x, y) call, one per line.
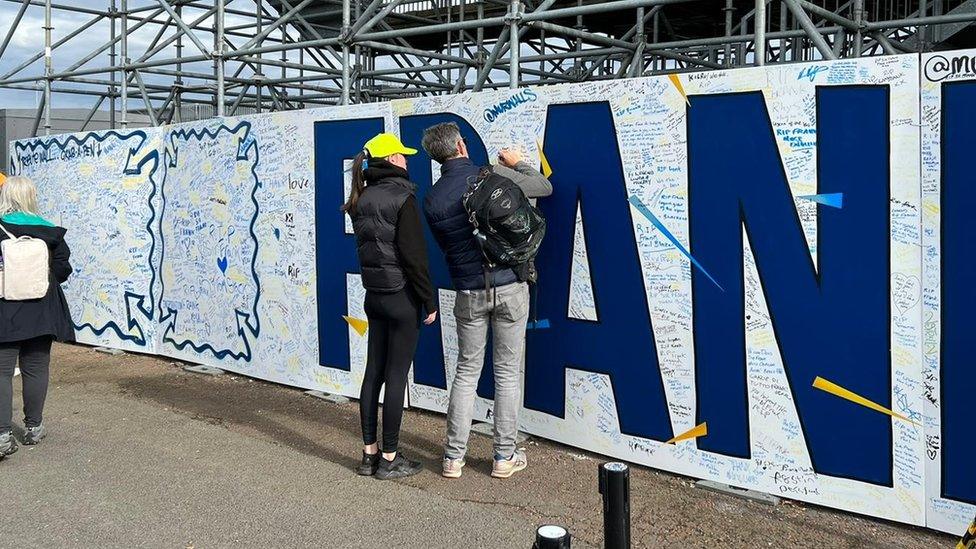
point(509, 157)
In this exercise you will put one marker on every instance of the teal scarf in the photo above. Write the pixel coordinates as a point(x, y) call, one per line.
point(24, 218)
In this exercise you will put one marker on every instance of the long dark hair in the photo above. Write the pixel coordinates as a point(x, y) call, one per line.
point(358, 183)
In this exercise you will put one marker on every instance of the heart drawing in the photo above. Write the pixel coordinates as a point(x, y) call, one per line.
point(906, 291)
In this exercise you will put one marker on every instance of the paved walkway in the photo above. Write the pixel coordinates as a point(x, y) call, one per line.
point(141, 454)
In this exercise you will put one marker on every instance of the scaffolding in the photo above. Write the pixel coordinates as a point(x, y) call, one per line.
point(227, 57)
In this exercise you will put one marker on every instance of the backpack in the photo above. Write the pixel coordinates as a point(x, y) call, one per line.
point(508, 228)
point(24, 267)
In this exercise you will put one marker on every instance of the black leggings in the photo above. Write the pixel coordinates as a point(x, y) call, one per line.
point(35, 359)
point(394, 326)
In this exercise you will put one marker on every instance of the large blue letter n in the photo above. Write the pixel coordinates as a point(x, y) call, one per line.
point(832, 318)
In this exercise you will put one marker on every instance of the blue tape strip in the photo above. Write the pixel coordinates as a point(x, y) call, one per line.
point(834, 200)
point(540, 325)
point(636, 202)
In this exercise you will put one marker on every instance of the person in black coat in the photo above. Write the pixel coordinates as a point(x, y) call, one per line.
point(393, 261)
point(27, 328)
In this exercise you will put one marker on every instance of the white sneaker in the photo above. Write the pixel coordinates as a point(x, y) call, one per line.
point(504, 468)
point(451, 468)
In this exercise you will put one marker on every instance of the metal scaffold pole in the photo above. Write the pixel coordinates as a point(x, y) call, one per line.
point(637, 63)
point(219, 58)
point(760, 23)
point(112, 61)
point(346, 16)
point(515, 15)
point(728, 32)
point(178, 90)
point(48, 70)
point(357, 55)
point(284, 56)
point(923, 10)
point(124, 50)
point(656, 35)
point(259, 70)
point(480, 37)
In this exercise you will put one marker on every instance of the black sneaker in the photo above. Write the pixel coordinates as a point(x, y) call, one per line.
point(33, 435)
point(400, 467)
point(8, 444)
point(369, 464)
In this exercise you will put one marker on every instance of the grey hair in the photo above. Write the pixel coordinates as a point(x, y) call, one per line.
point(18, 194)
point(441, 141)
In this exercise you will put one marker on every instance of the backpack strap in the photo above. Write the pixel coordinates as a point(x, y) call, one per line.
point(10, 236)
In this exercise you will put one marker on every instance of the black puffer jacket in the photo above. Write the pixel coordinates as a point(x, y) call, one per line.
point(375, 222)
point(389, 235)
point(49, 315)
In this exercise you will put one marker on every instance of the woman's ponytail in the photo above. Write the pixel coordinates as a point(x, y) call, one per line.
point(358, 183)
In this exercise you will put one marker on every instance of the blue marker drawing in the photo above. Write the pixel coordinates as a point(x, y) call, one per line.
point(636, 202)
point(834, 200)
point(811, 73)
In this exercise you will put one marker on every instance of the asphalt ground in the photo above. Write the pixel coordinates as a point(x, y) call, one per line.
point(142, 454)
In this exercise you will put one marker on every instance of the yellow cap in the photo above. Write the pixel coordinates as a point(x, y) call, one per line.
point(387, 144)
point(3, 178)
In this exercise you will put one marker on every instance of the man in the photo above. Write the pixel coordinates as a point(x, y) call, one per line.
point(505, 305)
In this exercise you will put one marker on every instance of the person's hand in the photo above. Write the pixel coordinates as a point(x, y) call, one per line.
point(430, 318)
point(509, 157)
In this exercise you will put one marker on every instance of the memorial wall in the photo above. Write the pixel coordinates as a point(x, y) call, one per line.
point(758, 276)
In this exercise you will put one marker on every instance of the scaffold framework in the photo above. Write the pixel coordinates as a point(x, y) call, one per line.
point(241, 56)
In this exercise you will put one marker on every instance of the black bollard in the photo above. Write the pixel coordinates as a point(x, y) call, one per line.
point(615, 487)
point(551, 536)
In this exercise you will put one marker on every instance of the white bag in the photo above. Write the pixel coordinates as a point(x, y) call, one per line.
point(25, 272)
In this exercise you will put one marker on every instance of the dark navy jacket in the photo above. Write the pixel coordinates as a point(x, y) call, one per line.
point(452, 230)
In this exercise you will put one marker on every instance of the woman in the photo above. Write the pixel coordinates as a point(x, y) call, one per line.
point(27, 328)
point(393, 263)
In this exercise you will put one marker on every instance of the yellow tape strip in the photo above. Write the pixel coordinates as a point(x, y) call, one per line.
point(357, 324)
point(681, 89)
point(837, 390)
point(546, 168)
point(694, 432)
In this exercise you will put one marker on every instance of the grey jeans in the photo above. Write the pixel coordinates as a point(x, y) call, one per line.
point(507, 310)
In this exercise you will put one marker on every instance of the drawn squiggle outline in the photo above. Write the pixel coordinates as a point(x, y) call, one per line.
point(170, 156)
point(128, 297)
